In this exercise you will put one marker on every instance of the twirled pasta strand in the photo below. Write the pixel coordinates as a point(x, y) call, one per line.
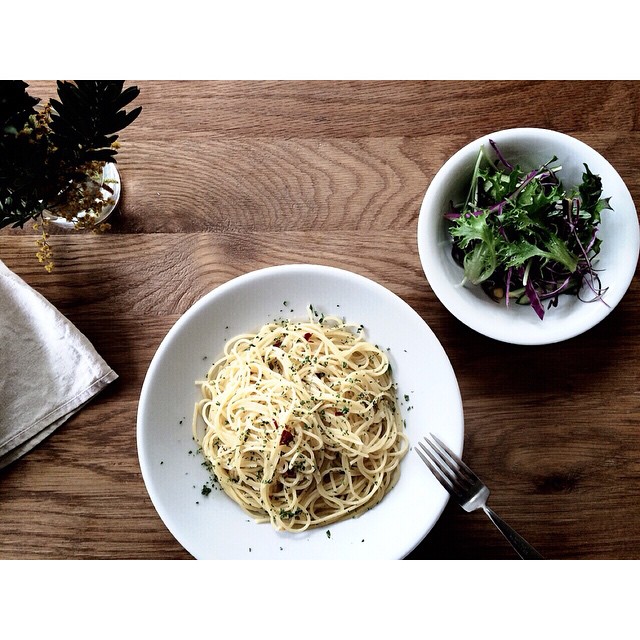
point(299, 423)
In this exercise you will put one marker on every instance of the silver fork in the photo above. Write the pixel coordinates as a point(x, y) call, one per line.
point(468, 490)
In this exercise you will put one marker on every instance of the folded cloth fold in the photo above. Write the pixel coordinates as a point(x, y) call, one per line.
point(48, 368)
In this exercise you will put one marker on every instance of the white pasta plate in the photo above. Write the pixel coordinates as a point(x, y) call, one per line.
point(213, 526)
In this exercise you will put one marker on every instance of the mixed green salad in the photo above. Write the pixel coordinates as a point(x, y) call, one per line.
point(525, 239)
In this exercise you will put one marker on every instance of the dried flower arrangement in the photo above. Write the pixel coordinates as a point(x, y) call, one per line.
point(52, 157)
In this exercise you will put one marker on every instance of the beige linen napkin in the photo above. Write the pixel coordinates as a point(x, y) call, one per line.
point(48, 368)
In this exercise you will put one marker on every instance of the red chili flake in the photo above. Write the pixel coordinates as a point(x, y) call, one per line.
point(307, 336)
point(286, 437)
point(277, 343)
point(275, 424)
point(342, 412)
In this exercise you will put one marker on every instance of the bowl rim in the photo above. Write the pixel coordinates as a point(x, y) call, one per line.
point(450, 296)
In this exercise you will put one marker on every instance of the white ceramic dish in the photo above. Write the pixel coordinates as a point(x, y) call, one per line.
point(519, 324)
point(213, 526)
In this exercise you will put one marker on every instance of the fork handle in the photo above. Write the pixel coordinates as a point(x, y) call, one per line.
point(523, 548)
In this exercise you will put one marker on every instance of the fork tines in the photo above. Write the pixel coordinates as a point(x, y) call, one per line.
point(467, 489)
point(445, 465)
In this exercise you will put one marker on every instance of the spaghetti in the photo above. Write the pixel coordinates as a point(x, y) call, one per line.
point(299, 423)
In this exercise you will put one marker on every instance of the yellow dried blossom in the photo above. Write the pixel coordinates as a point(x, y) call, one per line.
point(44, 253)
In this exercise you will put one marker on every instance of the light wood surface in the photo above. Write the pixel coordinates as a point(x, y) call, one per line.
point(220, 178)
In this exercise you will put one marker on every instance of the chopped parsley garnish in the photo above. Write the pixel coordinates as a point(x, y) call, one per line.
point(287, 514)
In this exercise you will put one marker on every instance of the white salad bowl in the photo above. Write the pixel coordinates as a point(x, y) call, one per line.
point(519, 324)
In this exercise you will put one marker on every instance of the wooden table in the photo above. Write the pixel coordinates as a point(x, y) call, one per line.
point(221, 178)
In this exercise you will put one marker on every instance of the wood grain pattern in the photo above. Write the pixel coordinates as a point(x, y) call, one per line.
point(221, 178)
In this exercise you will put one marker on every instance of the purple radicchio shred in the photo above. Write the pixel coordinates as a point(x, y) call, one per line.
point(548, 178)
point(502, 159)
point(503, 233)
point(480, 212)
point(593, 239)
point(558, 291)
point(507, 286)
point(593, 283)
point(525, 182)
point(534, 300)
